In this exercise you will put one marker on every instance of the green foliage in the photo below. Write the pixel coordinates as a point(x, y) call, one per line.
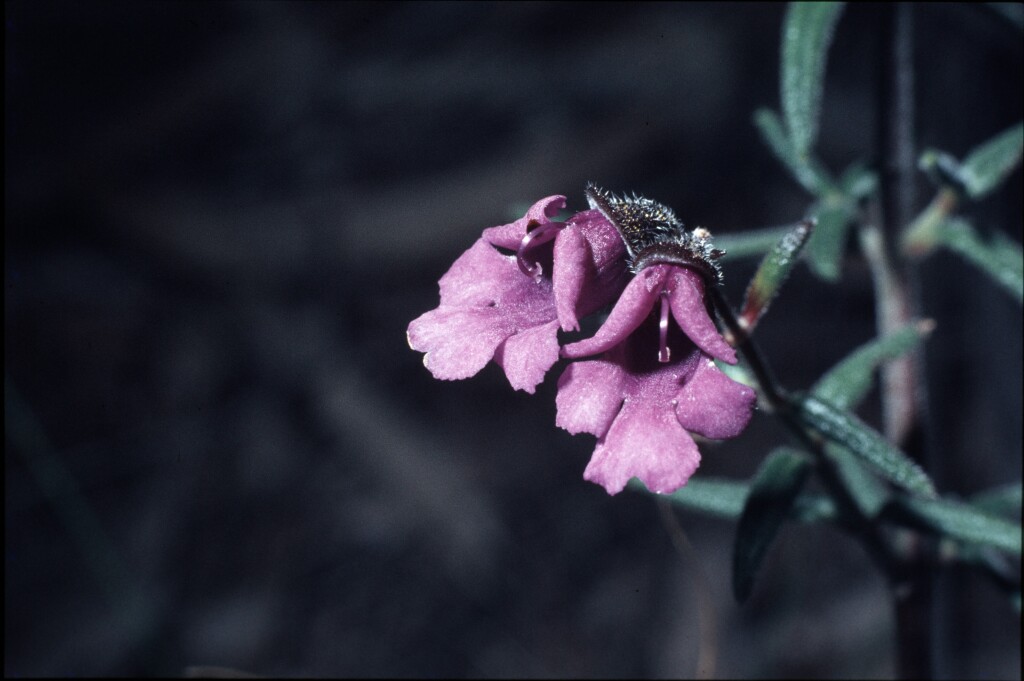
point(825, 252)
point(846, 384)
point(807, 172)
point(988, 164)
point(806, 36)
point(868, 493)
point(864, 461)
point(844, 428)
point(775, 268)
point(1003, 500)
point(715, 496)
point(1001, 259)
point(768, 504)
point(957, 520)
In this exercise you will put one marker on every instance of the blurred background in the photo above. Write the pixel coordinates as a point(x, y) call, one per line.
point(220, 452)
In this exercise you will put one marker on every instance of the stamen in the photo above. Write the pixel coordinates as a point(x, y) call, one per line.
point(664, 352)
point(535, 237)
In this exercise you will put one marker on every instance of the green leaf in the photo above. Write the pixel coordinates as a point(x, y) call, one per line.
point(987, 165)
point(959, 521)
point(846, 384)
point(811, 508)
point(825, 251)
point(1003, 500)
point(858, 182)
point(716, 496)
point(867, 492)
point(772, 273)
point(769, 502)
point(806, 36)
point(725, 499)
point(806, 171)
point(1001, 259)
point(750, 243)
point(844, 428)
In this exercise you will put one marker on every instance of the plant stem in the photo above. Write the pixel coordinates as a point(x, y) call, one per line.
point(782, 405)
point(903, 387)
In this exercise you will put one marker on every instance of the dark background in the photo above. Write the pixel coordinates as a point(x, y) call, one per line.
point(220, 218)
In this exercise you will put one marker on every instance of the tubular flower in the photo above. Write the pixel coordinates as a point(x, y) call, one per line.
point(653, 386)
point(508, 307)
point(643, 405)
point(646, 383)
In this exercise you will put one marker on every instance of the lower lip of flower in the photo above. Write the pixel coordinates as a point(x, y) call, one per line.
point(539, 234)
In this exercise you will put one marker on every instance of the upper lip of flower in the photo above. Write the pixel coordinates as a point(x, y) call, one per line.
point(684, 290)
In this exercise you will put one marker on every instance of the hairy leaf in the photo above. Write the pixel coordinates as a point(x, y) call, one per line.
point(868, 493)
point(986, 166)
point(1001, 259)
point(844, 428)
point(1003, 500)
point(846, 384)
point(772, 273)
point(806, 171)
point(959, 521)
point(806, 36)
point(825, 250)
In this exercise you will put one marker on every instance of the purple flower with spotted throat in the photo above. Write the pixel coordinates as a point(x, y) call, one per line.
point(647, 383)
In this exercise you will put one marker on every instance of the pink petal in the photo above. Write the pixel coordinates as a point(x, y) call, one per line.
point(605, 243)
point(589, 396)
point(572, 267)
point(644, 443)
point(629, 312)
point(479, 276)
point(687, 301)
point(712, 404)
point(528, 355)
point(458, 342)
point(511, 235)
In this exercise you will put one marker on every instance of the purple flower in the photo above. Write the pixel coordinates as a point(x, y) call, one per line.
point(506, 307)
point(643, 404)
point(653, 383)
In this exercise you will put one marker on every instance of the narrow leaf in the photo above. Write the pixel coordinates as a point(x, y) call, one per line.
point(807, 173)
point(844, 428)
point(811, 508)
point(846, 384)
point(1003, 500)
point(773, 271)
point(725, 499)
point(987, 165)
point(825, 251)
point(769, 502)
point(716, 496)
point(806, 36)
point(868, 493)
point(959, 521)
point(1001, 259)
point(858, 182)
